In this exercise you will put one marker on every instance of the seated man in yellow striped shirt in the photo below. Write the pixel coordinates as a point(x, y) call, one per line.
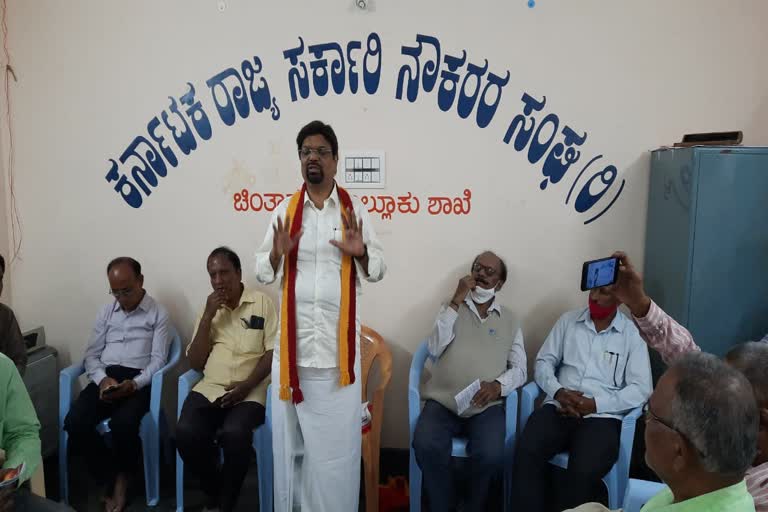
point(232, 346)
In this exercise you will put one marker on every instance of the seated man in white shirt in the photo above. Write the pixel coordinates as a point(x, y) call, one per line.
point(128, 344)
point(474, 338)
point(594, 368)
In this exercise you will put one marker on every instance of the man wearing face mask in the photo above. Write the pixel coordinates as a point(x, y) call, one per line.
point(474, 337)
point(594, 368)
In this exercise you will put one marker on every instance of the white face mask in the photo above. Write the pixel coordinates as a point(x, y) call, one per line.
point(482, 295)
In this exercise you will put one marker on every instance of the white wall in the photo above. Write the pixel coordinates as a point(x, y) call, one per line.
point(5, 246)
point(634, 75)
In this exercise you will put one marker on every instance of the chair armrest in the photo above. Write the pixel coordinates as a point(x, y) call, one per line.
point(528, 396)
point(156, 394)
point(186, 382)
point(630, 420)
point(639, 492)
point(67, 378)
point(414, 381)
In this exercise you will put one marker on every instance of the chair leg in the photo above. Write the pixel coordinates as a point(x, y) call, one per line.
point(414, 484)
point(263, 446)
point(63, 469)
point(371, 476)
point(612, 484)
point(150, 442)
point(179, 483)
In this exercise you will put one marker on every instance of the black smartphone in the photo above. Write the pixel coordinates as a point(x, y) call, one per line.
point(597, 273)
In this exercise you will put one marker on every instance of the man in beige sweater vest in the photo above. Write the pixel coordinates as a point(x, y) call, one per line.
point(474, 338)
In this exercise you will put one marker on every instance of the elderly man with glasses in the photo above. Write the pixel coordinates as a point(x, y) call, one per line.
point(128, 344)
point(662, 333)
point(474, 339)
point(701, 437)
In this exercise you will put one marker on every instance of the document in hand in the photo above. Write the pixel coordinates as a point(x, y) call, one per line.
point(465, 396)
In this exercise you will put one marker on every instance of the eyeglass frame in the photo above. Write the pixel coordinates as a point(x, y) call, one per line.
point(650, 415)
point(488, 271)
point(321, 152)
point(124, 292)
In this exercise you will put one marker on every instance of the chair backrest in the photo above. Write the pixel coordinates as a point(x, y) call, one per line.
point(174, 353)
point(372, 346)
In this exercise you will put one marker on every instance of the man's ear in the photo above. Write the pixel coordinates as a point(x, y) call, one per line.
point(499, 285)
point(682, 451)
point(763, 418)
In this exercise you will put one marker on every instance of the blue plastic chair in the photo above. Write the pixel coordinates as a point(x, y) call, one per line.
point(262, 444)
point(153, 425)
point(459, 448)
point(639, 492)
point(616, 479)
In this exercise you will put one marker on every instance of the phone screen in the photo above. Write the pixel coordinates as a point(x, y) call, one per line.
point(597, 273)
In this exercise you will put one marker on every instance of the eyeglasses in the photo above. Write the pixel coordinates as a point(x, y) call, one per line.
point(651, 416)
point(120, 293)
point(489, 271)
point(321, 152)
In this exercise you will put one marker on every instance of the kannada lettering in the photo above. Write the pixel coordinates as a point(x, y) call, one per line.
point(384, 205)
point(558, 151)
point(416, 75)
point(179, 129)
point(344, 66)
point(461, 83)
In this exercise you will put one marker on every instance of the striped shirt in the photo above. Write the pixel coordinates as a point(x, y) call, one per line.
point(672, 340)
point(757, 485)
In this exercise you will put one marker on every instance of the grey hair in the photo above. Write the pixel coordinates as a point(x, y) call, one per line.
point(751, 359)
point(714, 408)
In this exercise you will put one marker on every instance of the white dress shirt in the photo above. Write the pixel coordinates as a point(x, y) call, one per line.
point(135, 339)
point(443, 334)
point(610, 366)
point(318, 278)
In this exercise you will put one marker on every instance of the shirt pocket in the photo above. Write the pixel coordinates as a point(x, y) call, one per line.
point(611, 365)
point(252, 341)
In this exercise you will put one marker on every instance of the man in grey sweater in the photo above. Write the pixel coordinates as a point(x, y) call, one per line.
point(474, 338)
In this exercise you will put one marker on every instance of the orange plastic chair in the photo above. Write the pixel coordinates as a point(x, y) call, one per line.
point(372, 347)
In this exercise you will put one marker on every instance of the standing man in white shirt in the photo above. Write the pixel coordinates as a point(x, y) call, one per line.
point(594, 368)
point(319, 243)
point(474, 338)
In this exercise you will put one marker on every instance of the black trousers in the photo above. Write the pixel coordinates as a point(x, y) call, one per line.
point(593, 447)
point(432, 442)
point(126, 414)
point(200, 427)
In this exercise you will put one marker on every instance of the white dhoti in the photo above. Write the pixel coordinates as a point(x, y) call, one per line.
point(316, 443)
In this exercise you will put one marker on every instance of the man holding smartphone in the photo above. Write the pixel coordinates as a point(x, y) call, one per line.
point(128, 344)
point(594, 368)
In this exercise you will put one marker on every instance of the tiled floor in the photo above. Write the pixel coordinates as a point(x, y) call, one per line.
point(85, 493)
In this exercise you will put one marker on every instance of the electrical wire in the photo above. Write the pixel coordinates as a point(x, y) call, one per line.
point(16, 231)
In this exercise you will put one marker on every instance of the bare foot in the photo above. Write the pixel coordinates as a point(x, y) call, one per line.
point(120, 495)
point(109, 503)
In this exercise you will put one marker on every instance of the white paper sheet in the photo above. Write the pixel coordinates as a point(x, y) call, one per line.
point(465, 396)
